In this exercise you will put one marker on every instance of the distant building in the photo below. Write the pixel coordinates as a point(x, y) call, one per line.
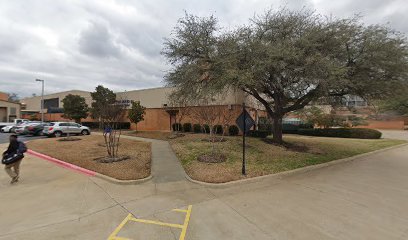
point(354, 101)
point(8, 110)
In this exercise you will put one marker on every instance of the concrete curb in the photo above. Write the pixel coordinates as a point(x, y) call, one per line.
point(123, 182)
point(291, 172)
point(63, 164)
point(85, 171)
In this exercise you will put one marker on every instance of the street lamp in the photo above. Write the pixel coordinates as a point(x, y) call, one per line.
point(42, 99)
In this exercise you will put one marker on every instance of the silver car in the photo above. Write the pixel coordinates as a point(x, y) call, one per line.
point(57, 129)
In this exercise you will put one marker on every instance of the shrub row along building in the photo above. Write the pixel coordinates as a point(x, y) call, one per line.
point(161, 114)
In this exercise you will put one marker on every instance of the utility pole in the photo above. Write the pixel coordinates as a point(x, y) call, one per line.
point(243, 140)
point(42, 98)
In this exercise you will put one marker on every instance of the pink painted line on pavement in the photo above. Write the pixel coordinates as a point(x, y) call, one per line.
point(62, 163)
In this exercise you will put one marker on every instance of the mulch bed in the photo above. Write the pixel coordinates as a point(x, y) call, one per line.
point(83, 153)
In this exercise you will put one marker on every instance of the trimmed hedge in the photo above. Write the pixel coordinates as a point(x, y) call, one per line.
point(233, 130)
point(205, 128)
point(187, 127)
point(197, 128)
point(363, 133)
point(218, 129)
point(177, 127)
point(258, 133)
point(286, 127)
point(95, 125)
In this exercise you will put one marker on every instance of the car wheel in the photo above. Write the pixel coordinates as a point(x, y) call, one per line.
point(85, 132)
point(58, 134)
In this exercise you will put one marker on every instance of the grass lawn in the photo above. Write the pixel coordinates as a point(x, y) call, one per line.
point(82, 153)
point(264, 158)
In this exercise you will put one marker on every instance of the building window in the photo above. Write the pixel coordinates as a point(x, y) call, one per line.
point(13, 111)
point(51, 103)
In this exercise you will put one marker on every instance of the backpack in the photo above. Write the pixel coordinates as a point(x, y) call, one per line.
point(22, 148)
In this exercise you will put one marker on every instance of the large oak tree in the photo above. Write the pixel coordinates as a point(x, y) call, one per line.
point(286, 60)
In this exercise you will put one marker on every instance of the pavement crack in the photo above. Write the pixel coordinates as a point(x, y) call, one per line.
point(111, 197)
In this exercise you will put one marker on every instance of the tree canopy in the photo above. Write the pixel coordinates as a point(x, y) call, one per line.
point(286, 59)
point(397, 103)
point(102, 97)
point(136, 113)
point(75, 107)
point(13, 97)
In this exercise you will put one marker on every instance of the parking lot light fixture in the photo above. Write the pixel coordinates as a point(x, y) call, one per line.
point(42, 98)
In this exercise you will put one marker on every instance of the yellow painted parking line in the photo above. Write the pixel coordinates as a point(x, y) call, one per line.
point(116, 231)
point(157, 223)
point(185, 225)
point(179, 210)
point(172, 225)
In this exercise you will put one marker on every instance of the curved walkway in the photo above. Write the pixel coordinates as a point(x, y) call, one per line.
point(165, 165)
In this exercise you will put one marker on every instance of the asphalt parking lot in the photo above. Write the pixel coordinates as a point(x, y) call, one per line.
point(4, 138)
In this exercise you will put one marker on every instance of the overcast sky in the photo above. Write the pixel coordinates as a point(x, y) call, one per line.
point(78, 44)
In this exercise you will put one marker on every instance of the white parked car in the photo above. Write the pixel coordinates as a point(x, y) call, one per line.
point(8, 129)
point(12, 128)
point(57, 129)
point(15, 122)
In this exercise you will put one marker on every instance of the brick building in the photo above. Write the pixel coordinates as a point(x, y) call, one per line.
point(8, 110)
point(160, 113)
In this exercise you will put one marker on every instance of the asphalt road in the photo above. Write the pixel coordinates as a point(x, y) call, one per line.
point(4, 138)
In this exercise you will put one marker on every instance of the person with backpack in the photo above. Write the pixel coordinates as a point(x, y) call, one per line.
point(12, 158)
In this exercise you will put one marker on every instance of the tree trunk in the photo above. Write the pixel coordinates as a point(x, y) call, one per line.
point(277, 129)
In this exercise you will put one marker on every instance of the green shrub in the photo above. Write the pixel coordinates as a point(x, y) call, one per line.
point(177, 127)
point(197, 128)
point(363, 133)
point(218, 129)
point(258, 133)
point(233, 130)
point(306, 126)
point(205, 128)
point(289, 128)
point(187, 127)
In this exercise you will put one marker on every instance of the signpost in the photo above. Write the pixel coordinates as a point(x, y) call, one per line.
point(245, 123)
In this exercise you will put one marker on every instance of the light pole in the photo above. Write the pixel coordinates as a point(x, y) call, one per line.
point(42, 99)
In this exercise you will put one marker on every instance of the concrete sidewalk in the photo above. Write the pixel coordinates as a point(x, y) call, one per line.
point(165, 165)
point(395, 134)
point(363, 199)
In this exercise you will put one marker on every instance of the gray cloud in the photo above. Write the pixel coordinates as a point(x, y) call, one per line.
point(97, 41)
point(117, 43)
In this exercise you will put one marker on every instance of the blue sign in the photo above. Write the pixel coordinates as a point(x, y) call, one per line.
point(107, 130)
point(249, 122)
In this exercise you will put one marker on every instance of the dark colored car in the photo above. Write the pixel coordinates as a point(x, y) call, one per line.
point(35, 129)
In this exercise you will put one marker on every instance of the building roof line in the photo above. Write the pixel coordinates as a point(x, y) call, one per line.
point(9, 102)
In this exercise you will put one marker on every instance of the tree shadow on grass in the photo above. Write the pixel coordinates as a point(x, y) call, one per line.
point(295, 147)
